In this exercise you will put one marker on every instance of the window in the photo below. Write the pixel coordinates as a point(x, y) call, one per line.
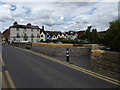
point(32, 30)
point(31, 39)
point(32, 36)
point(38, 35)
point(18, 36)
point(14, 38)
point(47, 35)
point(17, 29)
point(41, 35)
point(25, 37)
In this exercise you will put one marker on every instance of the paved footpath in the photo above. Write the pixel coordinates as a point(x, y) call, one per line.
point(26, 69)
point(84, 62)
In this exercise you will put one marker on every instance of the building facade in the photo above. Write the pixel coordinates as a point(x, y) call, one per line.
point(31, 33)
point(27, 32)
point(52, 35)
point(42, 35)
point(6, 35)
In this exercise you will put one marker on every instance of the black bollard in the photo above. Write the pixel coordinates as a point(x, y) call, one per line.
point(67, 55)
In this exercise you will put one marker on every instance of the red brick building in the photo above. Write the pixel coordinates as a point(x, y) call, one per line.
point(80, 33)
point(6, 35)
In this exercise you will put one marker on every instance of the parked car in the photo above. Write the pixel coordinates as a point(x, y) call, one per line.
point(58, 42)
point(51, 42)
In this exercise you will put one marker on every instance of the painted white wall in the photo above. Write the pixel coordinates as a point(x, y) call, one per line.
point(62, 36)
point(28, 31)
point(42, 38)
point(54, 37)
point(12, 32)
point(58, 36)
point(22, 31)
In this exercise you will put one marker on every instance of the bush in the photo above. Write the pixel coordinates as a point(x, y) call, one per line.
point(71, 41)
point(112, 37)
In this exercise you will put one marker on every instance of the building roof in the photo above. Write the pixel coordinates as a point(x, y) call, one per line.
point(16, 25)
point(25, 26)
point(53, 32)
point(71, 33)
point(6, 33)
point(80, 32)
point(41, 30)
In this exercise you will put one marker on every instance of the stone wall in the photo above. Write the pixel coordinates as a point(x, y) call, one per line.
point(56, 49)
point(106, 61)
point(53, 50)
point(23, 45)
point(101, 60)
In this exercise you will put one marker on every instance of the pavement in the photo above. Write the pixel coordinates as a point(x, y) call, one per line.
point(84, 62)
point(0, 65)
point(26, 69)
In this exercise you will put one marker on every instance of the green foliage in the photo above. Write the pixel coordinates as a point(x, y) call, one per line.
point(83, 37)
point(71, 41)
point(112, 37)
point(94, 36)
point(101, 37)
point(91, 36)
point(88, 33)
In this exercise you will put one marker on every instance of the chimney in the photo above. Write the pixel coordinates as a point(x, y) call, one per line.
point(29, 24)
point(42, 27)
point(15, 23)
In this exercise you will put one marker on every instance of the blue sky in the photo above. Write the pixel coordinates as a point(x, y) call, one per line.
point(13, 8)
point(59, 16)
point(90, 11)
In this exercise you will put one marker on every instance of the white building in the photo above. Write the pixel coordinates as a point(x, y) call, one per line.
point(27, 32)
point(54, 37)
point(71, 35)
point(42, 36)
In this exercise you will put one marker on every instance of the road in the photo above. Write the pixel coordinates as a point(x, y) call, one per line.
point(29, 70)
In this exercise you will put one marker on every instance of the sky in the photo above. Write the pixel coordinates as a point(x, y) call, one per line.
point(59, 16)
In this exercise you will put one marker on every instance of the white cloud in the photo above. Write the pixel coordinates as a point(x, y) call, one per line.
point(60, 15)
point(60, 0)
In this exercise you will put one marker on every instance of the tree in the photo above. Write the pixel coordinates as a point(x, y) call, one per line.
point(95, 35)
point(101, 36)
point(112, 37)
point(87, 33)
point(92, 36)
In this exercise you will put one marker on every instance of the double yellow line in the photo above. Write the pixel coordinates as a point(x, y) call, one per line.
point(8, 77)
point(97, 75)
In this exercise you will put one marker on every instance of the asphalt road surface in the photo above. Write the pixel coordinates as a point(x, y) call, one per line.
point(28, 70)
